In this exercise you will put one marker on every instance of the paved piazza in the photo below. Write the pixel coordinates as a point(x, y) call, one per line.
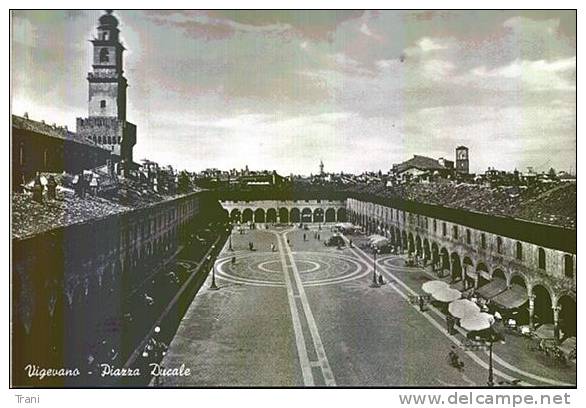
point(305, 315)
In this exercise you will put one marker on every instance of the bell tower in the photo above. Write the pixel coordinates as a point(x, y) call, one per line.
point(462, 160)
point(106, 123)
point(107, 85)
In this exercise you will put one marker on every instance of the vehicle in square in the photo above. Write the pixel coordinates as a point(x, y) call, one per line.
point(335, 240)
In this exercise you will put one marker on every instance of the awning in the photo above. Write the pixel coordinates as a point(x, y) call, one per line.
point(545, 331)
point(512, 298)
point(492, 288)
point(458, 285)
point(484, 274)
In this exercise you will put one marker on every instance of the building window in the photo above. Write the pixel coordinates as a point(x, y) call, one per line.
point(499, 245)
point(455, 231)
point(104, 55)
point(483, 241)
point(403, 216)
point(541, 258)
point(100, 139)
point(444, 229)
point(468, 237)
point(568, 266)
point(102, 103)
point(434, 226)
point(519, 251)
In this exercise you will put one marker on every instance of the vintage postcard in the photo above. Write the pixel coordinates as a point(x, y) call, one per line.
point(293, 198)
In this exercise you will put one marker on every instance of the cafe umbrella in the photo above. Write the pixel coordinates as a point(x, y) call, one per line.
point(446, 295)
point(461, 308)
point(477, 322)
point(433, 286)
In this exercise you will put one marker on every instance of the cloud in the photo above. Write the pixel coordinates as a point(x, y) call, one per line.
point(537, 75)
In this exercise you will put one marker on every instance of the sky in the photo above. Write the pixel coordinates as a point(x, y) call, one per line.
point(282, 90)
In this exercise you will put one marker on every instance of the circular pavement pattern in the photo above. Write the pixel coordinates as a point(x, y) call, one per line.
point(314, 268)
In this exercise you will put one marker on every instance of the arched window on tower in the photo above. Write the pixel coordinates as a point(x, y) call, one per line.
point(104, 55)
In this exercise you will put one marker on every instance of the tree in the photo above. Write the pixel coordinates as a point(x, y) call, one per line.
point(183, 183)
point(552, 173)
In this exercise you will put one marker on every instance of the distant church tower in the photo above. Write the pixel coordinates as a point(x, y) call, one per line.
point(321, 168)
point(106, 124)
point(462, 160)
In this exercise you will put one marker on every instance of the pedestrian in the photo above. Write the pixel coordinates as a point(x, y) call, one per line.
point(450, 324)
point(381, 281)
point(233, 260)
point(318, 237)
point(421, 304)
point(304, 237)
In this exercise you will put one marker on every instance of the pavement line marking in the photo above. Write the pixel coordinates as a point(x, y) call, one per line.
point(299, 338)
point(319, 347)
point(470, 354)
point(495, 357)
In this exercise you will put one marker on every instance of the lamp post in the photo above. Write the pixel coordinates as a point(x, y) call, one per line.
point(229, 231)
point(489, 337)
point(213, 285)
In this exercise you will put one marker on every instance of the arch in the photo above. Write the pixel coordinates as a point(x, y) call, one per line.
point(247, 215)
point(499, 273)
point(104, 55)
point(445, 259)
point(341, 215)
point(541, 259)
point(483, 273)
point(411, 243)
point(295, 215)
point(235, 215)
point(434, 253)
point(318, 215)
point(306, 215)
point(519, 251)
point(283, 215)
point(568, 266)
point(418, 246)
point(330, 215)
point(499, 245)
point(259, 215)
point(518, 279)
point(567, 316)
point(271, 215)
point(426, 249)
point(543, 312)
point(456, 266)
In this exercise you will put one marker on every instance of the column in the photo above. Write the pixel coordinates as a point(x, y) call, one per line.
point(531, 310)
point(556, 320)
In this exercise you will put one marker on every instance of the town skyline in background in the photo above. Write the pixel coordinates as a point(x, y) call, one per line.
point(287, 90)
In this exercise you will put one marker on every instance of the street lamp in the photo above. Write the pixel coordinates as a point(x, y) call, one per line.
point(229, 231)
point(484, 339)
point(213, 285)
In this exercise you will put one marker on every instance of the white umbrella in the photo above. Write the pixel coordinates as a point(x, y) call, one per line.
point(446, 295)
point(476, 322)
point(433, 286)
point(461, 308)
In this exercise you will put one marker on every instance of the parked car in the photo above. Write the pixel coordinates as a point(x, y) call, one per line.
point(336, 241)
